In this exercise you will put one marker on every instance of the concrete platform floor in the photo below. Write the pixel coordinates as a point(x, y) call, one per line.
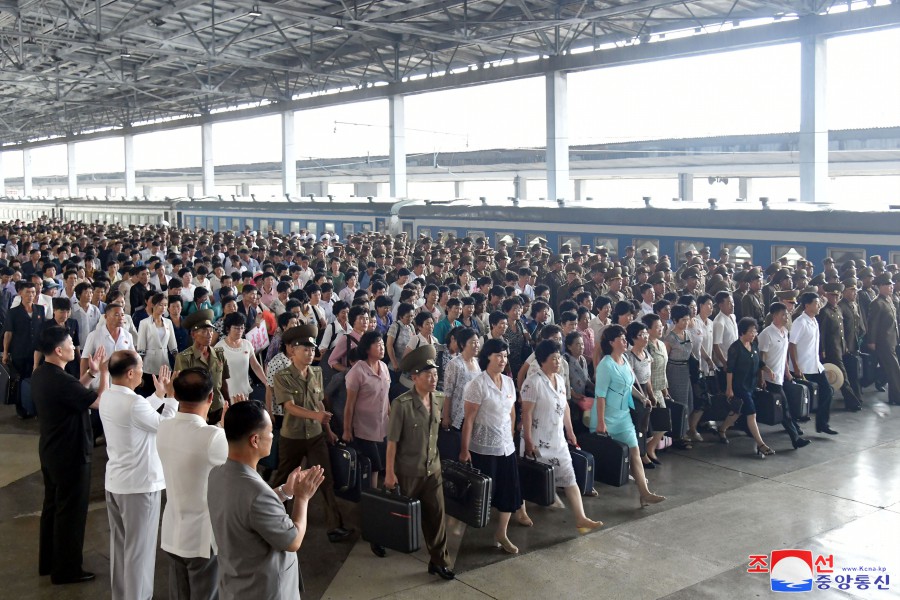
point(840, 496)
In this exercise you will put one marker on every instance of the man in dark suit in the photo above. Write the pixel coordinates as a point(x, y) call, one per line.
point(65, 450)
point(882, 336)
point(20, 331)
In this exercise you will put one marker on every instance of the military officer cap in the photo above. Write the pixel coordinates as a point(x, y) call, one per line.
point(641, 269)
point(800, 273)
point(614, 273)
point(556, 258)
point(657, 277)
point(787, 295)
point(827, 260)
point(302, 335)
point(818, 280)
point(753, 274)
point(896, 277)
point(875, 258)
point(773, 268)
point(598, 267)
point(574, 268)
point(834, 288)
point(893, 268)
point(850, 282)
point(883, 279)
point(830, 272)
point(199, 320)
point(740, 276)
point(690, 273)
point(420, 359)
point(782, 274)
point(849, 264)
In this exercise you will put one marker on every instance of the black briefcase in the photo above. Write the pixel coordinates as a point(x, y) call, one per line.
point(583, 464)
point(362, 482)
point(798, 399)
point(449, 443)
point(343, 466)
point(869, 369)
point(768, 407)
point(467, 493)
point(679, 420)
point(813, 388)
point(536, 481)
point(660, 419)
point(719, 407)
point(611, 458)
point(391, 520)
point(6, 386)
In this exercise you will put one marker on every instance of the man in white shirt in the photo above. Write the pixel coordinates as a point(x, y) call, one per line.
point(804, 351)
point(112, 336)
point(134, 474)
point(189, 449)
point(87, 315)
point(773, 352)
point(725, 333)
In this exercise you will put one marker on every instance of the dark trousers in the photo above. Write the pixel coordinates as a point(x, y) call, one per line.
point(788, 421)
point(63, 518)
point(851, 361)
point(23, 366)
point(193, 578)
point(851, 400)
point(887, 358)
point(429, 491)
point(291, 453)
point(823, 413)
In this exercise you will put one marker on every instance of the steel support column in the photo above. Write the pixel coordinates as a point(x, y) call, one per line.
point(288, 154)
point(686, 186)
point(557, 136)
point(397, 147)
point(813, 121)
point(72, 170)
point(26, 173)
point(209, 171)
point(130, 179)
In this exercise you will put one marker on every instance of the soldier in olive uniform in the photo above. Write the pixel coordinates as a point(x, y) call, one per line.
point(555, 279)
point(305, 432)
point(499, 274)
point(854, 331)
point(752, 302)
point(413, 461)
point(691, 278)
point(201, 354)
point(741, 285)
point(832, 342)
point(789, 299)
point(595, 285)
point(614, 286)
point(882, 334)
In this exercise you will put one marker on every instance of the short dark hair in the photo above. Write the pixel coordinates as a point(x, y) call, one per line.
point(634, 329)
point(745, 324)
point(545, 350)
point(808, 298)
point(679, 311)
point(722, 297)
point(776, 307)
point(491, 346)
point(497, 316)
point(235, 319)
point(122, 361)
point(62, 304)
point(355, 313)
point(609, 334)
point(244, 419)
point(463, 335)
point(572, 338)
point(366, 341)
point(404, 309)
point(422, 317)
point(192, 385)
point(51, 339)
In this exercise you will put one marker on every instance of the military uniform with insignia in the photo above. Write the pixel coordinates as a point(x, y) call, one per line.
point(883, 336)
point(854, 331)
point(412, 442)
point(832, 342)
point(214, 362)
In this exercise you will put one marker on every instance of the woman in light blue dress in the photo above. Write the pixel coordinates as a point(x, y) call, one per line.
point(611, 411)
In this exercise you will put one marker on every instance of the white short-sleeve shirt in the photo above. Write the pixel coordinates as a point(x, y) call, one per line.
point(492, 429)
point(724, 331)
point(805, 335)
point(773, 341)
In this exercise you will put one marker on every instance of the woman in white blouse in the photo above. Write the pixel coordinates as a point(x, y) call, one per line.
point(156, 338)
point(547, 426)
point(239, 355)
point(487, 436)
point(425, 324)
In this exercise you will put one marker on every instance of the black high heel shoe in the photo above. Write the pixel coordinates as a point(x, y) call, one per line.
point(723, 437)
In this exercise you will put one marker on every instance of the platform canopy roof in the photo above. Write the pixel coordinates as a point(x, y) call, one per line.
point(76, 68)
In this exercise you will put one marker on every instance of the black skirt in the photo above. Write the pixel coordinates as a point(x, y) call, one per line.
point(504, 471)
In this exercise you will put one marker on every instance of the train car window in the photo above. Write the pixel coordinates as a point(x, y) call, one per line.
point(347, 230)
point(895, 258)
point(740, 252)
point(424, 232)
point(312, 227)
point(530, 237)
point(223, 223)
point(574, 242)
point(236, 224)
point(279, 227)
point(683, 246)
point(248, 223)
point(790, 253)
point(295, 227)
point(446, 233)
point(611, 244)
point(499, 235)
point(842, 255)
point(408, 229)
point(380, 225)
point(329, 228)
point(651, 244)
point(367, 227)
point(263, 225)
point(189, 222)
point(474, 234)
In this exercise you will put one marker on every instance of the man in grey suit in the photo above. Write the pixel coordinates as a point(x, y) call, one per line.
point(257, 540)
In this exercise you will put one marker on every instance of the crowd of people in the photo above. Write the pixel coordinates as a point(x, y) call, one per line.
point(213, 364)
